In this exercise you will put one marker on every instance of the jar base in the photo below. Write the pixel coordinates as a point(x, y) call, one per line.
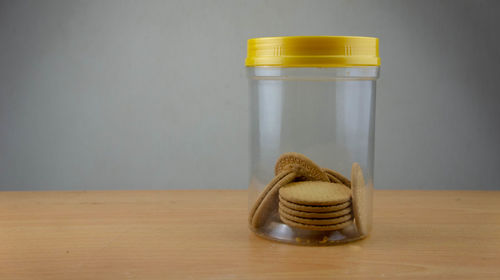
point(283, 233)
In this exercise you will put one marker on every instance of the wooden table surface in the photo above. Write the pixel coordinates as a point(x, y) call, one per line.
point(203, 234)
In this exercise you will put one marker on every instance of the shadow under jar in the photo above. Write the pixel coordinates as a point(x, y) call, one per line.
point(311, 97)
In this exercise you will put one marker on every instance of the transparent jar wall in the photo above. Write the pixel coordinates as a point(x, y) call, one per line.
point(326, 114)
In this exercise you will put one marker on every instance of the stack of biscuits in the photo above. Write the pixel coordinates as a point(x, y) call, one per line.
point(315, 205)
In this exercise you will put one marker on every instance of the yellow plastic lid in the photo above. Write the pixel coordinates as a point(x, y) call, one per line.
point(313, 51)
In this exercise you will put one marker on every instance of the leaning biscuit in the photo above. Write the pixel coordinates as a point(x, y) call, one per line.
point(315, 193)
point(314, 208)
point(359, 203)
point(316, 227)
point(301, 165)
point(314, 221)
point(268, 199)
point(332, 173)
point(302, 214)
point(333, 179)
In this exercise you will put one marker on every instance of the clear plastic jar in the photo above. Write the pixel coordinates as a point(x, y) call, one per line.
point(314, 96)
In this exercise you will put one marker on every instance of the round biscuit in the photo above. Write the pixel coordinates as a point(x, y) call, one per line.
point(314, 221)
point(332, 173)
point(333, 179)
point(301, 165)
point(266, 203)
point(314, 208)
point(315, 227)
point(315, 193)
point(324, 215)
point(359, 203)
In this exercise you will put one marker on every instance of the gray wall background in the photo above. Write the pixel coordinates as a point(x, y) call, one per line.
point(153, 94)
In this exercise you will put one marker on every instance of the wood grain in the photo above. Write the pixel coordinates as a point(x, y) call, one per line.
point(203, 234)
